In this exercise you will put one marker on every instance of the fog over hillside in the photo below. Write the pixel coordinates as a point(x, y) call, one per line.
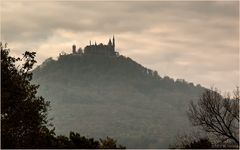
point(107, 94)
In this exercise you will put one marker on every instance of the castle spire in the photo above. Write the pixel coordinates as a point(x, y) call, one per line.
point(113, 43)
point(74, 49)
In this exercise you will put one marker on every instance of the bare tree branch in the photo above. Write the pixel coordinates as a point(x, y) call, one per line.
point(217, 115)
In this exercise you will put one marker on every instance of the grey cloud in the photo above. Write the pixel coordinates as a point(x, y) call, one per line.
point(115, 17)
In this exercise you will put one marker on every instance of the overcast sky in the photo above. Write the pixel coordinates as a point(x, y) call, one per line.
point(195, 41)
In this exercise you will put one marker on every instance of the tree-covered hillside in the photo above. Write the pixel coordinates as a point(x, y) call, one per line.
point(117, 97)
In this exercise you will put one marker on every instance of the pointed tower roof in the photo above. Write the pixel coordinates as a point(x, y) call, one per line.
point(113, 43)
point(109, 42)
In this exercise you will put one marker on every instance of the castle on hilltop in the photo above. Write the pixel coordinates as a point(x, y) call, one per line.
point(97, 49)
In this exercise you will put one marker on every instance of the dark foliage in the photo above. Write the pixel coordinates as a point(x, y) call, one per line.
point(80, 141)
point(200, 144)
point(110, 143)
point(76, 141)
point(23, 114)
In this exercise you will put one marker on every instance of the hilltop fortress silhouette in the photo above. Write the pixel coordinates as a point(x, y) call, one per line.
point(97, 49)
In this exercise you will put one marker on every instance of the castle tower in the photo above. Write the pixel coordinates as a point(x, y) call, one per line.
point(74, 49)
point(113, 43)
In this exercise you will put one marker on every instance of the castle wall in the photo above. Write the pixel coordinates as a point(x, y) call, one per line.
point(100, 50)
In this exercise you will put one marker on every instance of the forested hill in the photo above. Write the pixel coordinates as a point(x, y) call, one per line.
point(115, 96)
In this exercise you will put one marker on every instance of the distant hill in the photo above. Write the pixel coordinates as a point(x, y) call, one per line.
point(101, 95)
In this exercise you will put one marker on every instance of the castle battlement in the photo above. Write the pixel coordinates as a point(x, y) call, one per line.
point(97, 49)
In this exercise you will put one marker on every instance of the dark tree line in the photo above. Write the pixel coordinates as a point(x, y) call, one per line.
point(76, 141)
point(24, 122)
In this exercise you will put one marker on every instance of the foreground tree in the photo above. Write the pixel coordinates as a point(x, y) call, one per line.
point(217, 115)
point(23, 114)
